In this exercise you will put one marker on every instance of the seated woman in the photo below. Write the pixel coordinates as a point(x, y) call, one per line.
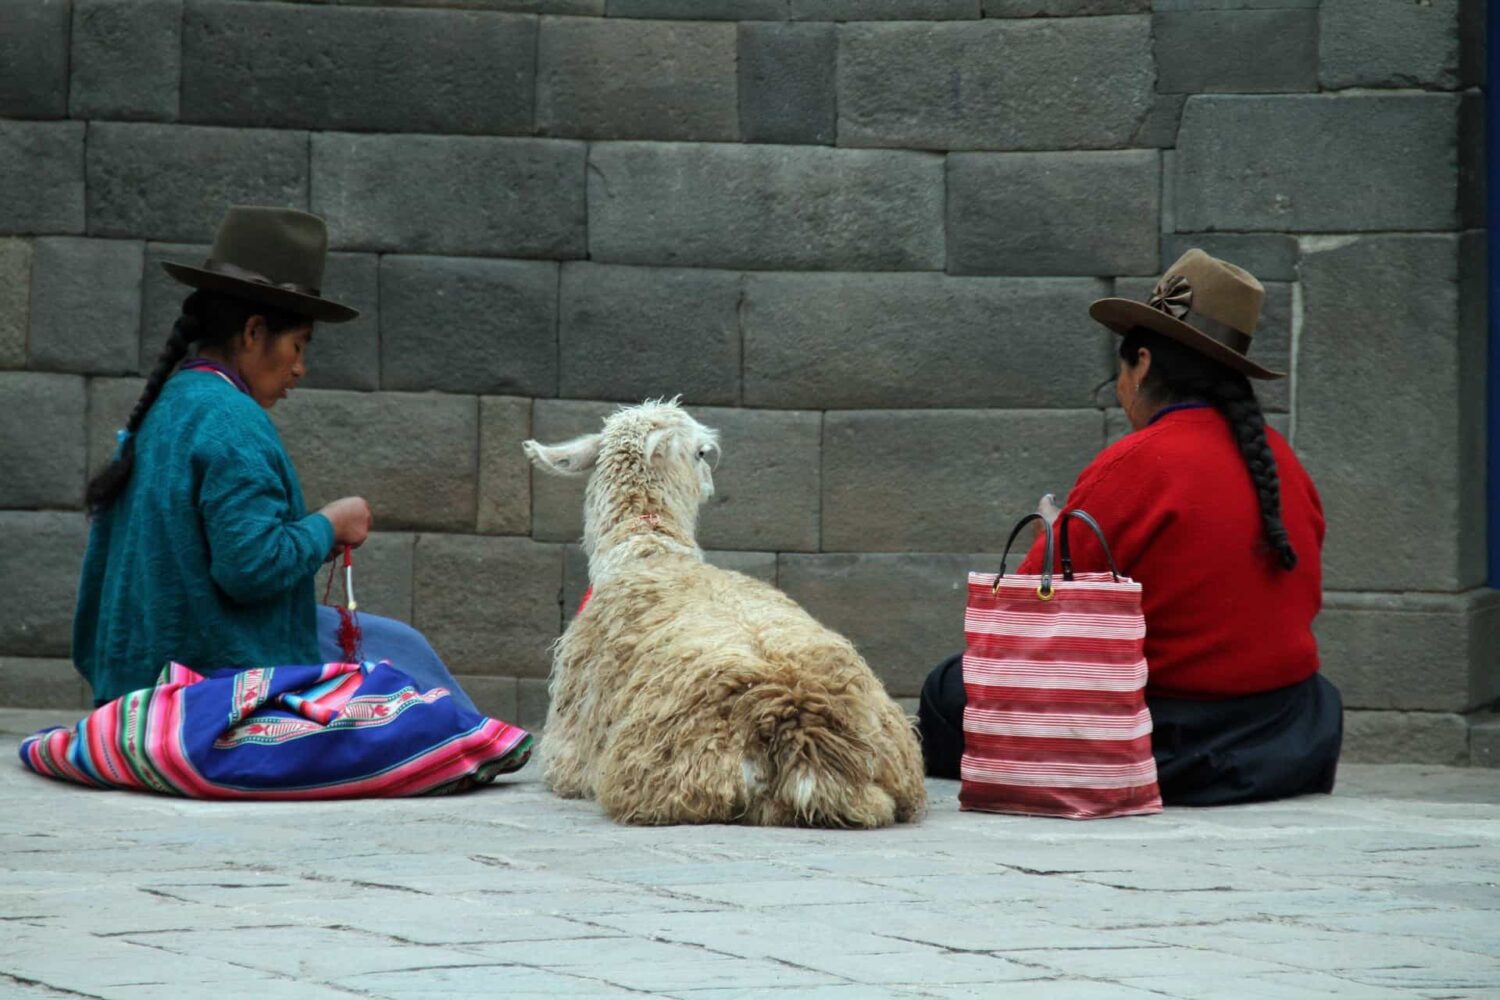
point(1211, 512)
point(201, 549)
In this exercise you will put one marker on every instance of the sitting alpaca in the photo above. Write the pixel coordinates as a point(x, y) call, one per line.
point(684, 693)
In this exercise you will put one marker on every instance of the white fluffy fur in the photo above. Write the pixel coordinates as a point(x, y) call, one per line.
point(684, 693)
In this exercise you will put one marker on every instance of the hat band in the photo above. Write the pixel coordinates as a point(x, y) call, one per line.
point(1219, 333)
point(245, 274)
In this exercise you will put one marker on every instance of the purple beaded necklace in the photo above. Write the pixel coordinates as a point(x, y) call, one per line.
point(201, 364)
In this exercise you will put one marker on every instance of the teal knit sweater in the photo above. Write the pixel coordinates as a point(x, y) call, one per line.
point(208, 555)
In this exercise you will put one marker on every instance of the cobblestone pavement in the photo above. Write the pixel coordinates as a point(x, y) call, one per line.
point(1386, 889)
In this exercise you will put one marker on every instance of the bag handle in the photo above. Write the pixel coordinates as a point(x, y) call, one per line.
point(1044, 590)
point(1066, 552)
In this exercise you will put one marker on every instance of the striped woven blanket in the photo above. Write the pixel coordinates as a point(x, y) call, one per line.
point(330, 731)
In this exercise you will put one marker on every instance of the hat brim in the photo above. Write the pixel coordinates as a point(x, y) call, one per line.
point(312, 306)
point(1124, 315)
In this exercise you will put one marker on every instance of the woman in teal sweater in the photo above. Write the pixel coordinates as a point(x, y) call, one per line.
point(201, 549)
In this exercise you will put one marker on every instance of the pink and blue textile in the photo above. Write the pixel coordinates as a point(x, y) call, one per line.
point(339, 730)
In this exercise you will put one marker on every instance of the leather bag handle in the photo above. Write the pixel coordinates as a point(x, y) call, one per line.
point(1066, 551)
point(1044, 589)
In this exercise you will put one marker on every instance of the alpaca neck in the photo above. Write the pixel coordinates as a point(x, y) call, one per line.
point(620, 519)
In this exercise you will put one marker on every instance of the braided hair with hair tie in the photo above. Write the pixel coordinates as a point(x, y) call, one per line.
point(1179, 374)
point(209, 319)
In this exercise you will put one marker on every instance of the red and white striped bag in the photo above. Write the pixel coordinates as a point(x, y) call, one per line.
point(1055, 672)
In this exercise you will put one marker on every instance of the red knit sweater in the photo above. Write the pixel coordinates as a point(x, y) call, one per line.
point(1180, 512)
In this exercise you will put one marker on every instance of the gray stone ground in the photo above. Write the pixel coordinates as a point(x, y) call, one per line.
point(1386, 889)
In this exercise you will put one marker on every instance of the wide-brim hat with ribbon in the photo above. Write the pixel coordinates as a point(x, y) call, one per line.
point(273, 256)
point(1204, 303)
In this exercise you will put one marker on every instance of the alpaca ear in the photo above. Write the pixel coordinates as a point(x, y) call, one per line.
point(655, 440)
point(571, 458)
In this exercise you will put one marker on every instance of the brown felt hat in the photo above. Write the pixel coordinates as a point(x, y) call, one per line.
point(1201, 302)
point(273, 256)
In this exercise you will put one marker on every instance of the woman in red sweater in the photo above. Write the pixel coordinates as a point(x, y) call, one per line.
point(1212, 513)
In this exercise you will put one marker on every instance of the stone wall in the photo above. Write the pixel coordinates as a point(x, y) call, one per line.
point(859, 236)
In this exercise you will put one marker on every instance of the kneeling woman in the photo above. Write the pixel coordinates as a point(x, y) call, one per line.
point(201, 550)
point(1211, 512)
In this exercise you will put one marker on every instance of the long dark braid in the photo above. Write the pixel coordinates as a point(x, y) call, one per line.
point(111, 480)
point(208, 319)
point(1179, 374)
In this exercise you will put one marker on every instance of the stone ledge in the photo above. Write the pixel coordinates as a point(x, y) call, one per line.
point(1427, 652)
point(42, 683)
point(1405, 738)
point(1484, 740)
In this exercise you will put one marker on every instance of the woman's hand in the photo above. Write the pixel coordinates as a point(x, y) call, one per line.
point(351, 520)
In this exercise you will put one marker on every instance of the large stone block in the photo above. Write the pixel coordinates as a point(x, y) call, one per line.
point(765, 207)
point(1063, 8)
point(127, 59)
point(1170, 5)
point(109, 405)
point(347, 355)
point(787, 83)
point(1158, 129)
point(461, 324)
point(42, 440)
point(42, 163)
point(904, 612)
point(383, 569)
point(86, 305)
point(1413, 651)
point(1268, 256)
point(34, 58)
point(1081, 83)
point(504, 471)
point(1054, 213)
point(15, 301)
point(172, 182)
point(1236, 51)
point(603, 78)
point(701, 10)
point(765, 489)
point(869, 340)
point(1389, 383)
point(459, 194)
point(411, 456)
point(634, 333)
point(1317, 163)
point(1405, 738)
point(945, 480)
point(387, 69)
point(493, 696)
point(533, 701)
point(162, 296)
point(41, 683)
point(40, 558)
point(1389, 43)
point(884, 10)
point(489, 605)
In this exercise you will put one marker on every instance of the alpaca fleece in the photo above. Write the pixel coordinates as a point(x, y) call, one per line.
point(684, 693)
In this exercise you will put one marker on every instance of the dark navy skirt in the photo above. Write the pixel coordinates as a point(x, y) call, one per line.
point(1251, 748)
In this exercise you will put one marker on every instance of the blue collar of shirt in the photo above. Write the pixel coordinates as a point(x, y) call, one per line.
point(1173, 409)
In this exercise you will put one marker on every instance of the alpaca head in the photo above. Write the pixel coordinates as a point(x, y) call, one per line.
point(649, 461)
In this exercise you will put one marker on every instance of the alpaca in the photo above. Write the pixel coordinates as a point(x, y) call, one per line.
point(684, 693)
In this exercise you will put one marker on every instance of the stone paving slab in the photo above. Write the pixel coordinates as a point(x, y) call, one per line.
point(1386, 889)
